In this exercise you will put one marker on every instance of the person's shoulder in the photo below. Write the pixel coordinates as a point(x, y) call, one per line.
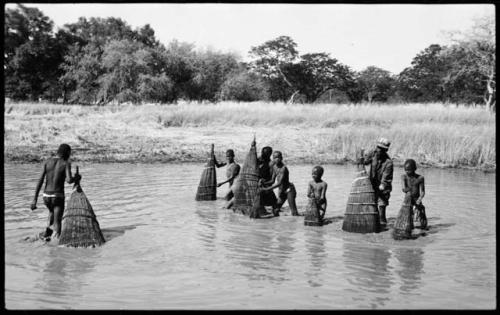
point(420, 177)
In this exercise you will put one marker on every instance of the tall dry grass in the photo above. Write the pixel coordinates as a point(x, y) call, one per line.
point(433, 134)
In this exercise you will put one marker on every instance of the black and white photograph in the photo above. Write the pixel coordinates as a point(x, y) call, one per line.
point(249, 156)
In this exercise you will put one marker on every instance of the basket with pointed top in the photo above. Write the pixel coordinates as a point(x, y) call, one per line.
point(361, 214)
point(246, 189)
point(207, 188)
point(404, 221)
point(79, 223)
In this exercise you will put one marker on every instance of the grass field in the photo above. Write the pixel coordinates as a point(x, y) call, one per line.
point(432, 134)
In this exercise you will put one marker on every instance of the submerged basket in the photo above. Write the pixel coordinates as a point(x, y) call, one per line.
point(312, 216)
point(246, 186)
point(207, 189)
point(361, 214)
point(404, 221)
point(79, 223)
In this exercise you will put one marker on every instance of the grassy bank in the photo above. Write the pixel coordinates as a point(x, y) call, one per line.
point(432, 134)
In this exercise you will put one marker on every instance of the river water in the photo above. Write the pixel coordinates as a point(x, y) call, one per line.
point(164, 250)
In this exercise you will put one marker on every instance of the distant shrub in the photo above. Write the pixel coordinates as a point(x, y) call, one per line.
point(243, 86)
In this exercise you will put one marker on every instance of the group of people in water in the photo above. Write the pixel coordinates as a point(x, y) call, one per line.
point(273, 174)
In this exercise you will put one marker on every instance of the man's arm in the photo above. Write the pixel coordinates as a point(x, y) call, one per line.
point(69, 178)
point(323, 192)
point(273, 178)
point(404, 185)
point(277, 184)
point(422, 190)
point(386, 179)
point(221, 164)
point(38, 187)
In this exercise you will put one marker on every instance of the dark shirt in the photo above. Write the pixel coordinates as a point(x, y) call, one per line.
point(381, 172)
point(265, 169)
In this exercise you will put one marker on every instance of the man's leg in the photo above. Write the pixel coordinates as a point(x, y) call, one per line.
point(291, 200)
point(58, 212)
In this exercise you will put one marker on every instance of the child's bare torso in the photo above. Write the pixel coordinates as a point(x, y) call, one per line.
point(55, 169)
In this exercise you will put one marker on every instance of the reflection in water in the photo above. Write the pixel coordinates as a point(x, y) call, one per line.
point(411, 266)
point(63, 274)
point(315, 246)
point(262, 252)
point(368, 270)
point(206, 229)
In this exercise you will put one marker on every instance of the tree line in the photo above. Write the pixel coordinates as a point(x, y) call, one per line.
point(98, 61)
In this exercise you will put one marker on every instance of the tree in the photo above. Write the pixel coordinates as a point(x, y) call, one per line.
point(271, 58)
point(478, 47)
point(244, 86)
point(317, 73)
point(211, 70)
point(32, 55)
point(375, 84)
point(423, 81)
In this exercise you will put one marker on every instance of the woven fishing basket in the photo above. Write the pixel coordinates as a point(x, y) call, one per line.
point(245, 190)
point(258, 210)
point(207, 188)
point(404, 221)
point(312, 216)
point(361, 214)
point(79, 223)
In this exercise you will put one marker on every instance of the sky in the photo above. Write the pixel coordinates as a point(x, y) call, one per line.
point(388, 36)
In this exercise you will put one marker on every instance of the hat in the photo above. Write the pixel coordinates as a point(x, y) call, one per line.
point(383, 143)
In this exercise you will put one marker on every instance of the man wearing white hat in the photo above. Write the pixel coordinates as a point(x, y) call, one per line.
point(381, 175)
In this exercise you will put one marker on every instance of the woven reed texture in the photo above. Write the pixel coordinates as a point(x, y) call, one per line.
point(207, 188)
point(404, 220)
point(312, 216)
point(79, 223)
point(361, 214)
point(421, 216)
point(258, 210)
point(247, 183)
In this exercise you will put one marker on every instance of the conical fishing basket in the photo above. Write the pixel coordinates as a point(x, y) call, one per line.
point(247, 183)
point(404, 222)
point(361, 214)
point(312, 216)
point(258, 210)
point(207, 188)
point(79, 223)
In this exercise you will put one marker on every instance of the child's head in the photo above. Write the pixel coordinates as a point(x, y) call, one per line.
point(317, 172)
point(277, 156)
point(266, 152)
point(230, 155)
point(410, 166)
point(64, 151)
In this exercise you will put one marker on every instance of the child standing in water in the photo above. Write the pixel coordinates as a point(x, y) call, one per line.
point(55, 171)
point(317, 198)
point(232, 171)
point(414, 183)
point(286, 189)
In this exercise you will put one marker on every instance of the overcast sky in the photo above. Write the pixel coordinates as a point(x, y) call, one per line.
point(387, 36)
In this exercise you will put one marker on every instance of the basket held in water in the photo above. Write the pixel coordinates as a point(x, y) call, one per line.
point(312, 216)
point(207, 188)
point(246, 188)
point(361, 214)
point(404, 221)
point(79, 223)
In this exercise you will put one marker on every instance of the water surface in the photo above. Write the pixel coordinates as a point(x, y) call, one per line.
point(164, 250)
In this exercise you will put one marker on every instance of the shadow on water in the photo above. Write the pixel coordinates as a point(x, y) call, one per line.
point(368, 270)
point(111, 233)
